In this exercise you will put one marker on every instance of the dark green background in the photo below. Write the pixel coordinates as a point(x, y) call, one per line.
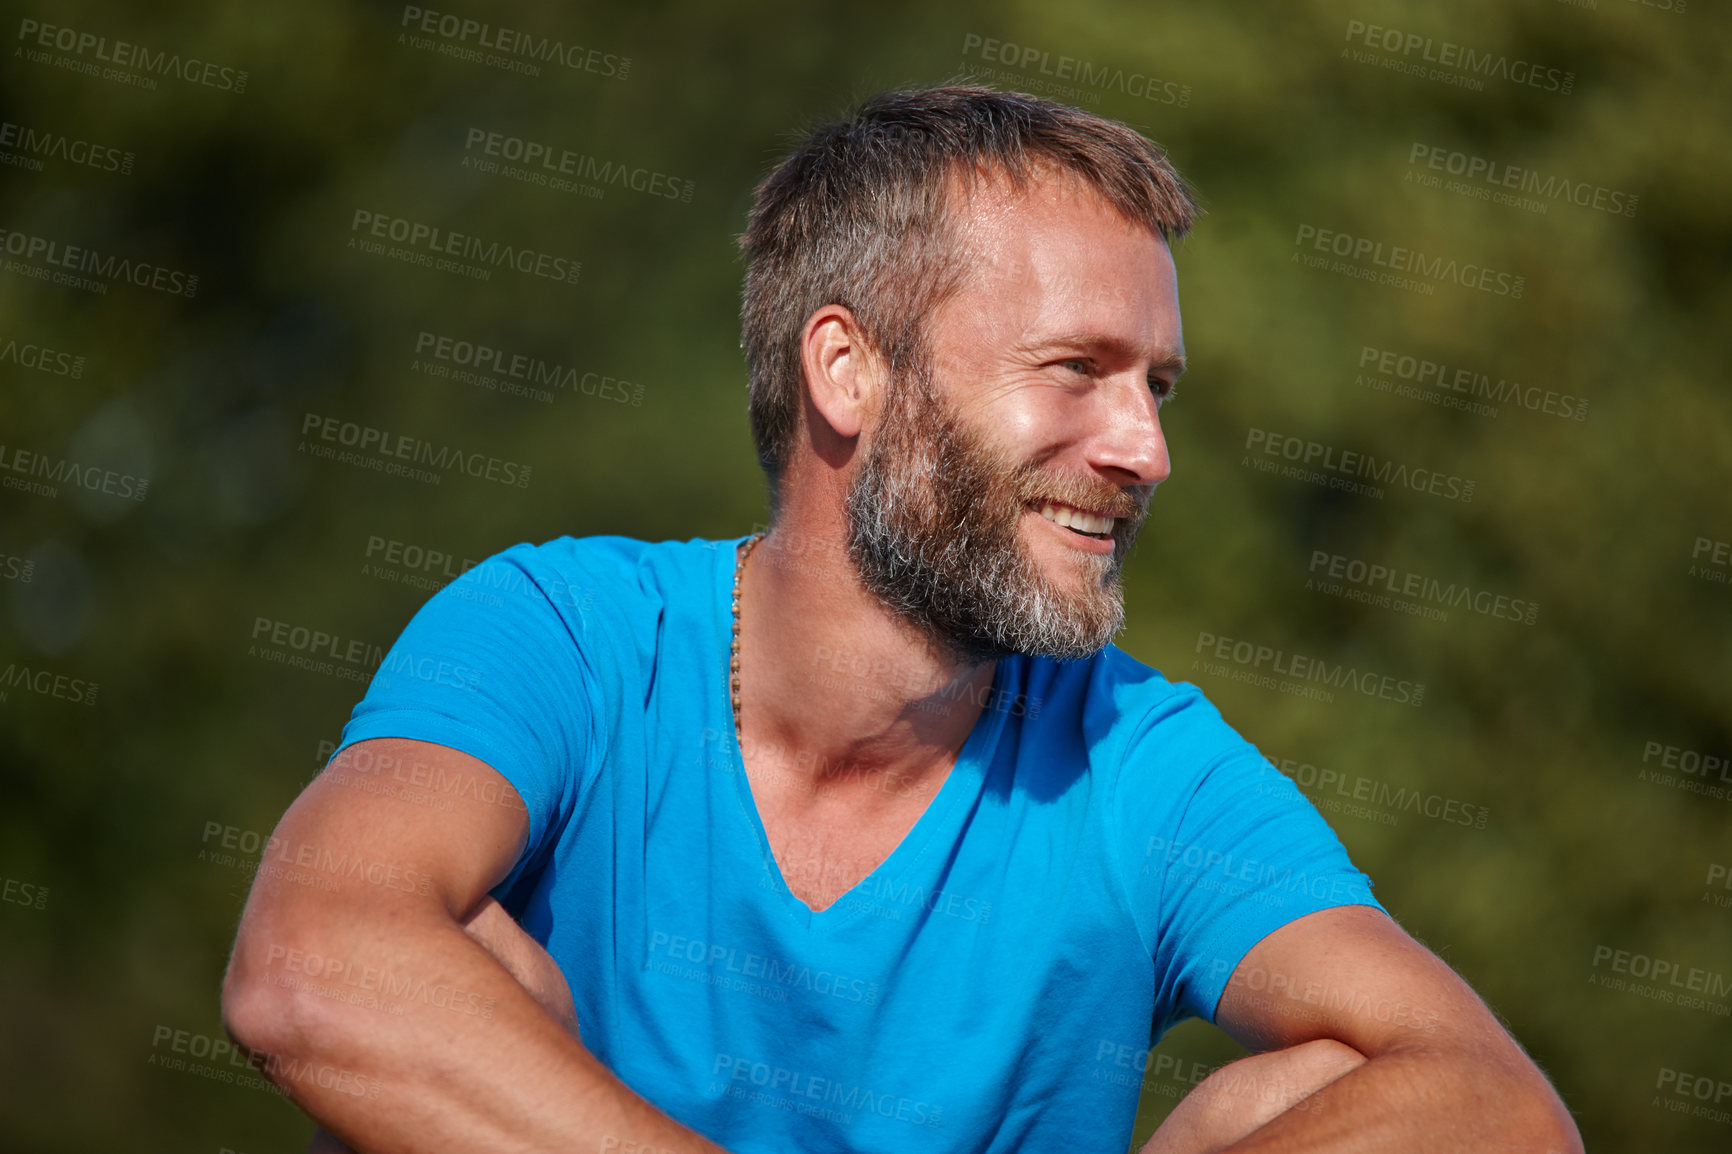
point(1542, 725)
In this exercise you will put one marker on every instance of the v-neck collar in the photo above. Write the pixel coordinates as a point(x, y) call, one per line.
point(964, 782)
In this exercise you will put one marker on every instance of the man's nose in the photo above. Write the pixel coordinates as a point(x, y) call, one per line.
point(1132, 441)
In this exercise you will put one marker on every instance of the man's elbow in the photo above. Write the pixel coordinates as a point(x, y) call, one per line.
point(258, 1016)
point(265, 1017)
point(1545, 1126)
point(1536, 1118)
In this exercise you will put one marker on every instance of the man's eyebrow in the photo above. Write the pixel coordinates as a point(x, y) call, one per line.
point(1115, 348)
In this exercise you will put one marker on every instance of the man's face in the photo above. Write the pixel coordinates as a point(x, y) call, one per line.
point(1039, 406)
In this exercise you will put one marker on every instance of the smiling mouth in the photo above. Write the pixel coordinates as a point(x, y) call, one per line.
point(1078, 521)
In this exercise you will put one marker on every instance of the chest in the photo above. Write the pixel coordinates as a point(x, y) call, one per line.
point(826, 843)
point(702, 992)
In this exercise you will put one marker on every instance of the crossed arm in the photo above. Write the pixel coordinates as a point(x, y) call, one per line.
point(524, 959)
point(491, 1069)
point(1364, 1039)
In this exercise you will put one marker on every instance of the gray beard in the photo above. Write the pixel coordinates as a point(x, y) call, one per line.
point(933, 529)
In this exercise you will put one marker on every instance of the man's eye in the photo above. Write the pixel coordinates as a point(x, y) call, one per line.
point(1077, 364)
point(1164, 390)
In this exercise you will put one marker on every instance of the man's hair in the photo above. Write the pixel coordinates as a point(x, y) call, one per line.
point(859, 215)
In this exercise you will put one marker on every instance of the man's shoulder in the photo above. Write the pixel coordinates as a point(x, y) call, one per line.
point(613, 552)
point(1114, 691)
point(1128, 712)
point(601, 570)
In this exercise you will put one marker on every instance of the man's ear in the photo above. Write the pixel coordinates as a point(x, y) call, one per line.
point(844, 376)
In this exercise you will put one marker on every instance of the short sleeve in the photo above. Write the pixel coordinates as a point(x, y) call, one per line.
point(1220, 849)
point(494, 665)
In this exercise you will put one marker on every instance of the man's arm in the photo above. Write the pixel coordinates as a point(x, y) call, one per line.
point(525, 959)
point(361, 892)
point(1367, 1042)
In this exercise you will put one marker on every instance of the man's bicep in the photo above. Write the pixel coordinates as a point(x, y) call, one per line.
point(398, 817)
point(1351, 974)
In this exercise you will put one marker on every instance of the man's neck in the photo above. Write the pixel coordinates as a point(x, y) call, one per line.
point(837, 687)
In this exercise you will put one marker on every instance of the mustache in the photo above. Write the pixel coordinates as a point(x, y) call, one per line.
point(1107, 500)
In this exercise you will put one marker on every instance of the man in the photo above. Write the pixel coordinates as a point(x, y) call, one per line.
point(861, 836)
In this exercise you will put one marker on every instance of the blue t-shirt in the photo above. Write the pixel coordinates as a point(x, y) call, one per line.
point(1101, 857)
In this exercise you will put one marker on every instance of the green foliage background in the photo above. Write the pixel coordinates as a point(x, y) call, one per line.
point(1543, 725)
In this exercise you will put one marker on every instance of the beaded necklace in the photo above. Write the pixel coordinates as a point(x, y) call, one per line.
point(734, 653)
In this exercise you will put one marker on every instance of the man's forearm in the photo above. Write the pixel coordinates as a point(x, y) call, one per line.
point(1424, 1100)
point(1241, 1096)
point(430, 1078)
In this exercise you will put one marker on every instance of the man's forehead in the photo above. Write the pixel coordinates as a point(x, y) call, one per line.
point(1048, 196)
point(1059, 234)
point(1060, 266)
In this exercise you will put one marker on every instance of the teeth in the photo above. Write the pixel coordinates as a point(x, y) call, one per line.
point(1073, 518)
